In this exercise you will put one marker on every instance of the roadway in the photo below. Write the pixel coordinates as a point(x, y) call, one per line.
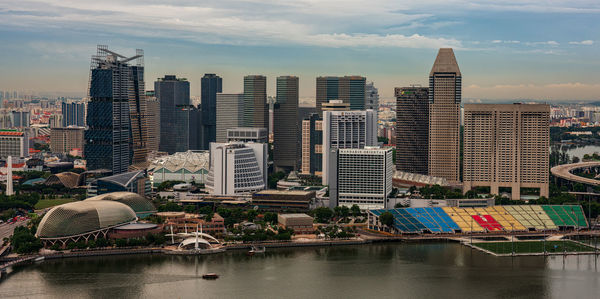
point(564, 172)
point(6, 229)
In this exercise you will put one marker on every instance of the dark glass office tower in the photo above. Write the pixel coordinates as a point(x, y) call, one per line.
point(327, 89)
point(211, 84)
point(256, 111)
point(286, 134)
point(174, 96)
point(116, 97)
point(412, 129)
point(73, 114)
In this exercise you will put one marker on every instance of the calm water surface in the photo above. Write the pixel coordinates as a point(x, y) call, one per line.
point(579, 152)
point(391, 270)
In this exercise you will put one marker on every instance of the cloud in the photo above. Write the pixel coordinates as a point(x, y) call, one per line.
point(555, 91)
point(546, 43)
point(583, 42)
point(497, 41)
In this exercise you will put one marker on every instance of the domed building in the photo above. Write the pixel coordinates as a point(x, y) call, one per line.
point(139, 204)
point(183, 166)
point(82, 221)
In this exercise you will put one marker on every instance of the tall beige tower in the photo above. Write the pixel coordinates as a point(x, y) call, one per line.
point(506, 146)
point(445, 83)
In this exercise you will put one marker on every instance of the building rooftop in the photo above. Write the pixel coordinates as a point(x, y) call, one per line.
point(283, 192)
point(445, 62)
point(137, 226)
point(294, 215)
point(123, 179)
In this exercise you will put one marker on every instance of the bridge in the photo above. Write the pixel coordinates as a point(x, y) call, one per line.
point(565, 172)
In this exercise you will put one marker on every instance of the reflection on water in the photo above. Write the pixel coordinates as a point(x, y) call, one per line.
point(579, 152)
point(445, 270)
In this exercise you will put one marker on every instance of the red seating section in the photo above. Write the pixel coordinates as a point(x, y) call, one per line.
point(488, 222)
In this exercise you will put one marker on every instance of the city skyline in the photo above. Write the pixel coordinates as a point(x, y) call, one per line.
point(510, 50)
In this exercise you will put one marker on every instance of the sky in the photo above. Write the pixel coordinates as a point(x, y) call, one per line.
point(506, 49)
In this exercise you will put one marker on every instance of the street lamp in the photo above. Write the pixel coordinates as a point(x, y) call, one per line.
point(512, 242)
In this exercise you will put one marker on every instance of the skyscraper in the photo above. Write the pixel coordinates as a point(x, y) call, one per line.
point(116, 112)
point(412, 129)
point(506, 146)
point(230, 113)
point(371, 96)
point(347, 129)
point(327, 89)
point(211, 84)
point(256, 112)
point(349, 89)
point(286, 134)
point(312, 145)
point(174, 96)
point(445, 82)
point(153, 108)
point(73, 114)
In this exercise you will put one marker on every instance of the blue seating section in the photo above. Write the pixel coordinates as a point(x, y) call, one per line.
point(403, 220)
point(434, 219)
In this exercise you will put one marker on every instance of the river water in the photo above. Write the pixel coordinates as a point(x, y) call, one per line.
point(582, 150)
point(390, 270)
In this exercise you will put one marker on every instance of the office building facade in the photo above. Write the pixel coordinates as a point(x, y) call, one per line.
point(117, 129)
point(286, 134)
point(230, 114)
point(173, 95)
point(210, 85)
point(237, 168)
point(258, 135)
point(256, 111)
point(153, 108)
point(73, 114)
point(371, 96)
point(348, 89)
point(360, 177)
point(347, 129)
point(63, 140)
point(445, 85)
point(14, 144)
point(506, 146)
point(312, 145)
point(327, 89)
point(412, 129)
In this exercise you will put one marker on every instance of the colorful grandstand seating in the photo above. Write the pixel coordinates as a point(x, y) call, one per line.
point(505, 219)
point(403, 221)
point(462, 217)
point(531, 217)
point(434, 219)
point(488, 222)
point(566, 215)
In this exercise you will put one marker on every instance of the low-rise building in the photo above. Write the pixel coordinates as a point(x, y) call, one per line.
point(182, 222)
point(300, 223)
point(13, 143)
point(283, 200)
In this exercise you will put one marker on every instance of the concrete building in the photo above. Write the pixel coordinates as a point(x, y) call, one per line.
point(371, 97)
point(63, 140)
point(335, 105)
point(230, 113)
point(283, 200)
point(190, 166)
point(312, 145)
point(256, 111)
point(258, 135)
point(445, 83)
point(286, 134)
point(20, 119)
point(327, 89)
point(506, 145)
point(153, 108)
point(173, 95)
point(13, 144)
point(360, 176)
point(237, 168)
point(211, 85)
point(412, 129)
point(300, 223)
point(347, 129)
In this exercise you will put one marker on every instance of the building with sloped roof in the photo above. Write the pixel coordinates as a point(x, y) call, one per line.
point(67, 179)
point(82, 221)
point(139, 204)
point(189, 166)
point(133, 181)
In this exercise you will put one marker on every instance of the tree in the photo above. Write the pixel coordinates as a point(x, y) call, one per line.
point(575, 159)
point(355, 210)
point(270, 217)
point(251, 214)
point(387, 219)
point(323, 214)
point(344, 211)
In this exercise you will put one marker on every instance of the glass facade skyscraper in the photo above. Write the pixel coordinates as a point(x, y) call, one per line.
point(211, 84)
point(349, 89)
point(286, 134)
point(256, 111)
point(174, 96)
point(116, 99)
point(73, 114)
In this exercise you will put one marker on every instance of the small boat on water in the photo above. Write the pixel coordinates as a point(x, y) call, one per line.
point(39, 259)
point(210, 276)
point(256, 249)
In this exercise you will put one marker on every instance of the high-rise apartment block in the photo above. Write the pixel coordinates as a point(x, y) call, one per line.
point(73, 114)
point(174, 96)
point(116, 117)
point(63, 140)
point(256, 111)
point(412, 129)
point(445, 83)
point(286, 134)
point(347, 129)
point(506, 146)
point(237, 168)
point(20, 119)
point(348, 89)
point(230, 113)
point(211, 84)
point(360, 176)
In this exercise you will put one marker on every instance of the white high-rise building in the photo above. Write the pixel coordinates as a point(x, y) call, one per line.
point(237, 168)
point(360, 176)
point(347, 129)
point(371, 97)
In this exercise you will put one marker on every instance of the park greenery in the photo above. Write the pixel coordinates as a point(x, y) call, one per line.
point(280, 234)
